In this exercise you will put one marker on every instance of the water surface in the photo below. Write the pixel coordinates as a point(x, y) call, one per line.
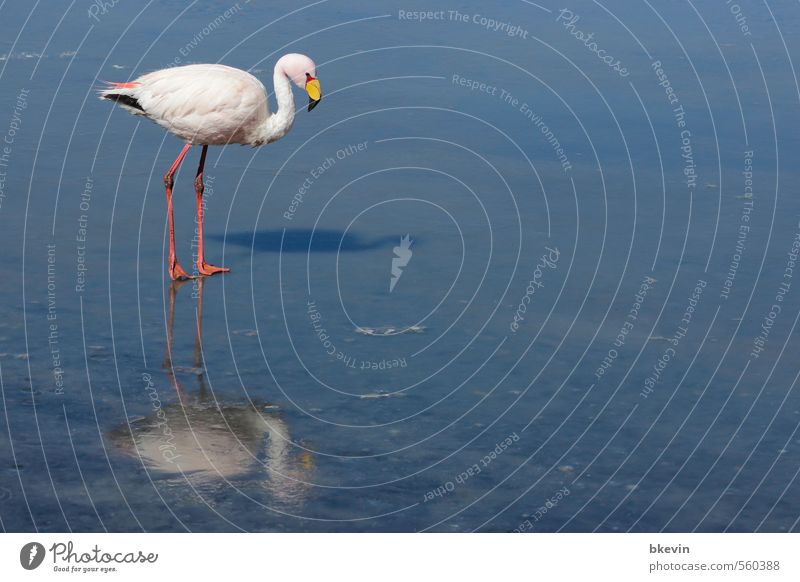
point(591, 325)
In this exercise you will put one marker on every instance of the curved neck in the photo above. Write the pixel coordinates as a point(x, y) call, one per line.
point(279, 123)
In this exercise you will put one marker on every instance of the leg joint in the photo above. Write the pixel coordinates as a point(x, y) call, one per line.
point(198, 184)
point(169, 181)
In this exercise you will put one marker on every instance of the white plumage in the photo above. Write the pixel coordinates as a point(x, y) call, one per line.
point(214, 105)
point(201, 104)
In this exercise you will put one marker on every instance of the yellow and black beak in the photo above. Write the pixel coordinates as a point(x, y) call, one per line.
point(314, 91)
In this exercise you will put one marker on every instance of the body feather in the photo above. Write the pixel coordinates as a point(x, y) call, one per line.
point(201, 104)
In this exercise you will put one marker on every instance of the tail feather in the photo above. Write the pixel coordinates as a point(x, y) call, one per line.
point(125, 100)
point(128, 85)
point(123, 94)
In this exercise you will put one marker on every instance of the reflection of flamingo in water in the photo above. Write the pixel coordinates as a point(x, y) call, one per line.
point(210, 442)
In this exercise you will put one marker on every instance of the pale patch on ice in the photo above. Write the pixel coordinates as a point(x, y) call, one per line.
point(380, 394)
point(20, 55)
point(389, 330)
point(246, 332)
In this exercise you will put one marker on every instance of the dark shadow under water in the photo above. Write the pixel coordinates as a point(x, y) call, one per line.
point(303, 240)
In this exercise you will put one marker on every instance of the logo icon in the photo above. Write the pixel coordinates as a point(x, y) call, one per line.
point(400, 260)
point(31, 555)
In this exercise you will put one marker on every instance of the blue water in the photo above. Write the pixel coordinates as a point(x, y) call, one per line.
point(592, 323)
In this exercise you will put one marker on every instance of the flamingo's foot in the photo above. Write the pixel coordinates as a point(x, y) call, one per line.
point(176, 272)
point(205, 269)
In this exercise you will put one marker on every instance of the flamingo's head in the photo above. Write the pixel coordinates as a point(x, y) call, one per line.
point(303, 72)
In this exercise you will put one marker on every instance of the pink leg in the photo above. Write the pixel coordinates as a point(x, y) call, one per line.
point(175, 270)
point(202, 267)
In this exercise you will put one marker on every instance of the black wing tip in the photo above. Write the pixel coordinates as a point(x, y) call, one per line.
point(126, 100)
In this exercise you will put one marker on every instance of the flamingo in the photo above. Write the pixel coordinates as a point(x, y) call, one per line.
point(209, 104)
